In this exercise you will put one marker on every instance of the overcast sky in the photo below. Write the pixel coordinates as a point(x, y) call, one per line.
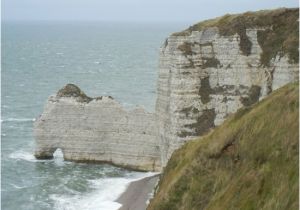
point(132, 10)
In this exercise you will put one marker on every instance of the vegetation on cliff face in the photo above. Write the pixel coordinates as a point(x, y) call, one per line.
point(278, 34)
point(249, 162)
point(71, 90)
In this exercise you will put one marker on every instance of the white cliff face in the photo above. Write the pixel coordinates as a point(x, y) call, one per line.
point(204, 77)
point(97, 131)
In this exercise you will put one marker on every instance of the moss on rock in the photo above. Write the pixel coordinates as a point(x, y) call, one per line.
point(253, 96)
point(186, 48)
point(203, 123)
point(205, 90)
point(71, 90)
point(210, 63)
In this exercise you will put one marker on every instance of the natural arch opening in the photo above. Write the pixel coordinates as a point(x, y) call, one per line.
point(58, 153)
point(49, 153)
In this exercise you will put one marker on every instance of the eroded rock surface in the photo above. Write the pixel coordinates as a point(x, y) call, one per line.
point(96, 130)
point(206, 75)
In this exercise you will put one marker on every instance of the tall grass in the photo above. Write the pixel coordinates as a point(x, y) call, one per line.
point(250, 162)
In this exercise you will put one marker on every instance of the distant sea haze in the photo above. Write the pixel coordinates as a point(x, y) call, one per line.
point(38, 58)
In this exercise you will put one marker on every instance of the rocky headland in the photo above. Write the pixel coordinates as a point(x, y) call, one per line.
point(96, 130)
point(215, 67)
point(206, 74)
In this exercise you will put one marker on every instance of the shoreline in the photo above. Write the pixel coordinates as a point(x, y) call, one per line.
point(137, 193)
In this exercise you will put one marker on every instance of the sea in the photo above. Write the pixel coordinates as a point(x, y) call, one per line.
point(39, 58)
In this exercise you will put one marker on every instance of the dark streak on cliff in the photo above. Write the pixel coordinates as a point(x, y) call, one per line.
point(253, 96)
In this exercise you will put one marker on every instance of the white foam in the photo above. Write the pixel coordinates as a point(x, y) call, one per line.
point(17, 187)
point(58, 158)
point(23, 155)
point(78, 202)
point(107, 190)
point(18, 120)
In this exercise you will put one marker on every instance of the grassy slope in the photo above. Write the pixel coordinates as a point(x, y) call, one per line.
point(249, 162)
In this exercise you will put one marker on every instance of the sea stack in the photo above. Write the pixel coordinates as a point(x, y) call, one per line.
point(96, 130)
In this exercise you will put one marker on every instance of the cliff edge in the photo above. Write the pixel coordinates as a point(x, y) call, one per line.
point(215, 67)
point(251, 161)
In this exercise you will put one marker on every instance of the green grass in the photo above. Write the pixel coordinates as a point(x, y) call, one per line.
point(280, 37)
point(249, 162)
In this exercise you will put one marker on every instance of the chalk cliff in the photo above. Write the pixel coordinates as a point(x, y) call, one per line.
point(212, 69)
point(96, 130)
point(206, 73)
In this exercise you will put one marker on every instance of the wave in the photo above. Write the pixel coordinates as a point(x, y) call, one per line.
point(58, 158)
point(23, 155)
point(17, 187)
point(18, 120)
point(107, 190)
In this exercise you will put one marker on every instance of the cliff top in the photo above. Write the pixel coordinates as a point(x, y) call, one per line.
point(279, 34)
point(71, 90)
point(249, 162)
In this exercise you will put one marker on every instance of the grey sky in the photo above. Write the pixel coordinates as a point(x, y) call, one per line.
point(132, 10)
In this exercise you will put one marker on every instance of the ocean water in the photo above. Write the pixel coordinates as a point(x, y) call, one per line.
point(39, 58)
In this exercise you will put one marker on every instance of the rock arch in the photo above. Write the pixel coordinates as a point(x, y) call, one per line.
point(45, 153)
point(97, 130)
